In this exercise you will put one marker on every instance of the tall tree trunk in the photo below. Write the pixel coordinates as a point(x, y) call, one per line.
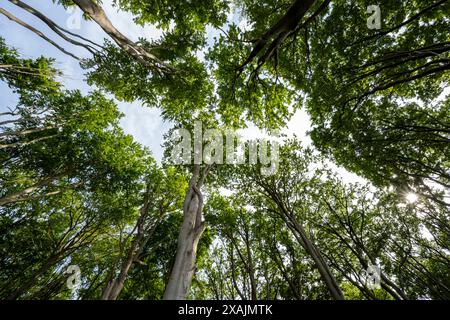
point(39, 33)
point(25, 132)
point(233, 275)
point(115, 286)
point(250, 265)
point(301, 236)
point(278, 259)
point(324, 270)
point(63, 33)
point(190, 233)
point(20, 144)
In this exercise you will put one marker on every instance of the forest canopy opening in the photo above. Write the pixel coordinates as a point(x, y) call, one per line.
point(225, 150)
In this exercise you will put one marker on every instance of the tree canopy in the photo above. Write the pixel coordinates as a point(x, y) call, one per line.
point(77, 190)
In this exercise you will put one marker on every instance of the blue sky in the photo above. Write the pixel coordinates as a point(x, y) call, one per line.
point(144, 123)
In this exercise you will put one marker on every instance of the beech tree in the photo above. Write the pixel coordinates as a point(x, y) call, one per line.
point(76, 190)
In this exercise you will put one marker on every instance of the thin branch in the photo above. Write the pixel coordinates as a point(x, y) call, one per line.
point(39, 33)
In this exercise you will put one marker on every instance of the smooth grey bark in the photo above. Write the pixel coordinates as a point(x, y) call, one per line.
point(115, 286)
point(144, 234)
point(143, 56)
point(190, 233)
point(56, 28)
point(27, 131)
point(312, 250)
point(250, 265)
point(247, 261)
point(278, 259)
point(320, 263)
point(233, 276)
point(39, 33)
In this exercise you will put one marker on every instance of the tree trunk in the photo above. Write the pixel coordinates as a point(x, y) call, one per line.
point(250, 266)
point(301, 236)
point(190, 233)
point(25, 132)
point(56, 28)
point(322, 266)
point(115, 286)
point(39, 33)
point(20, 144)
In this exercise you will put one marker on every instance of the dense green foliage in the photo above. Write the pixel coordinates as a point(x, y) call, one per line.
point(76, 190)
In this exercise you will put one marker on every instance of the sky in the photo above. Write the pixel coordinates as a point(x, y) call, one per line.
point(145, 124)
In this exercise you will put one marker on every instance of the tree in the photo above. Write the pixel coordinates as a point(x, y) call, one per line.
point(344, 229)
point(374, 96)
point(155, 207)
point(72, 190)
point(75, 189)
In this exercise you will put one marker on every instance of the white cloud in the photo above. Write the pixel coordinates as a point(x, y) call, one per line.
point(145, 125)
